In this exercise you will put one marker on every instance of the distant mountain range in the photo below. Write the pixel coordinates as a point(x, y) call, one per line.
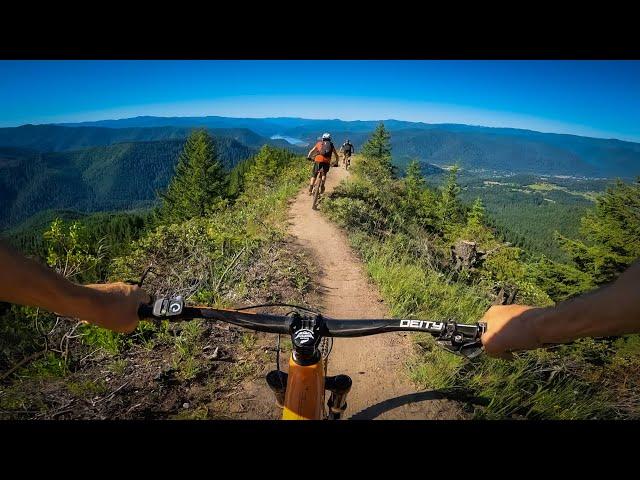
point(119, 164)
point(56, 138)
point(472, 147)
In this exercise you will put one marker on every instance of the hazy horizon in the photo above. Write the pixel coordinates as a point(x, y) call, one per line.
point(597, 99)
point(63, 123)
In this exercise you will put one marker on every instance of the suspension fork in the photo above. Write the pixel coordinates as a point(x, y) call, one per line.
point(339, 386)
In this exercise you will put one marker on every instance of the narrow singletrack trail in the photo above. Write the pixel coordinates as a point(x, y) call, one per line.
point(381, 388)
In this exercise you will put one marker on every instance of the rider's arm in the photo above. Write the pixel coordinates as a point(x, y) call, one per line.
point(27, 282)
point(311, 152)
point(611, 310)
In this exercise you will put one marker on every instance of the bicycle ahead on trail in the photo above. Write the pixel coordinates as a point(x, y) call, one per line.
point(300, 393)
point(318, 187)
point(347, 150)
point(321, 155)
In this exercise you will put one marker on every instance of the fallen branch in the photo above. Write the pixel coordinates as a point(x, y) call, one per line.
point(108, 397)
point(22, 362)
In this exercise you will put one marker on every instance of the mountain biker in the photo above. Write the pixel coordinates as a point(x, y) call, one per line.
point(324, 150)
point(611, 310)
point(27, 282)
point(347, 150)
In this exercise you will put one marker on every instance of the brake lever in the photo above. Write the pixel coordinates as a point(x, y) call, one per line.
point(162, 308)
point(464, 342)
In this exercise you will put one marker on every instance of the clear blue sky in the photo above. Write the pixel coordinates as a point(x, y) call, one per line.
point(595, 98)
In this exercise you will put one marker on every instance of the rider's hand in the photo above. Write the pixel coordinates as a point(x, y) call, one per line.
point(510, 328)
point(114, 306)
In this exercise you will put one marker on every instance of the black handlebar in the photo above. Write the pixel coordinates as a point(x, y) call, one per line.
point(459, 338)
point(174, 310)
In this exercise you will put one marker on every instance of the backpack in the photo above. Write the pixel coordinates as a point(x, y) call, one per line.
point(326, 149)
point(347, 147)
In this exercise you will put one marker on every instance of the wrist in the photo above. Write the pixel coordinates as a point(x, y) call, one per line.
point(539, 323)
point(82, 301)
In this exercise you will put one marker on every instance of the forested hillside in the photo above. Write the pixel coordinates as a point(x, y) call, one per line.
point(528, 210)
point(116, 177)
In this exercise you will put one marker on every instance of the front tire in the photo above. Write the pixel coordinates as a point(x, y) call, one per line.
point(316, 190)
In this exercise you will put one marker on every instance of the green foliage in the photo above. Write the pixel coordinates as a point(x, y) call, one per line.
point(525, 216)
point(106, 340)
point(611, 232)
point(476, 215)
point(248, 340)
point(199, 185)
point(376, 153)
point(48, 366)
point(561, 281)
point(100, 178)
point(419, 202)
point(68, 253)
point(612, 242)
point(433, 368)
point(113, 231)
point(20, 332)
point(449, 207)
point(186, 349)
point(208, 256)
point(237, 177)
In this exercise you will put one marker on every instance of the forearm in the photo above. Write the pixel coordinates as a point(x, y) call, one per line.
point(608, 311)
point(27, 282)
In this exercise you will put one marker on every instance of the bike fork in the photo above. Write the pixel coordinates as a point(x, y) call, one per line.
point(339, 386)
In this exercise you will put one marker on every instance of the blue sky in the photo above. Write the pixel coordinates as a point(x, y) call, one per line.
point(594, 98)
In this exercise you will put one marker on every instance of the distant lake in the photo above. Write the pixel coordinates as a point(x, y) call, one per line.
point(291, 140)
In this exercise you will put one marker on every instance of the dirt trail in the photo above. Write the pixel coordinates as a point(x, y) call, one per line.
point(376, 364)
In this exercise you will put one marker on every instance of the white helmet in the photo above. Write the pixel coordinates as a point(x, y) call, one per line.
point(326, 136)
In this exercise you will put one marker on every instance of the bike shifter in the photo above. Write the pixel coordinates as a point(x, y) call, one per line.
point(463, 340)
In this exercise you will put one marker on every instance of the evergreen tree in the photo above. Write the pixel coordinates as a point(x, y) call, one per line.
point(199, 185)
point(377, 151)
point(475, 218)
point(449, 203)
point(420, 202)
point(414, 180)
point(264, 167)
point(237, 177)
point(612, 233)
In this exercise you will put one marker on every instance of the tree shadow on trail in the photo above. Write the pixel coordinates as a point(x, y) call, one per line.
point(378, 409)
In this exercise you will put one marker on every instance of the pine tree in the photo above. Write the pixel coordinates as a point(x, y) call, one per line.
point(475, 218)
point(199, 185)
point(449, 203)
point(377, 150)
point(264, 168)
point(414, 180)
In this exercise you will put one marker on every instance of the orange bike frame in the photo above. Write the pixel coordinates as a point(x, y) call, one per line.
point(304, 396)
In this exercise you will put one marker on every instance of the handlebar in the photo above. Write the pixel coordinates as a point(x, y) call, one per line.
point(459, 338)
